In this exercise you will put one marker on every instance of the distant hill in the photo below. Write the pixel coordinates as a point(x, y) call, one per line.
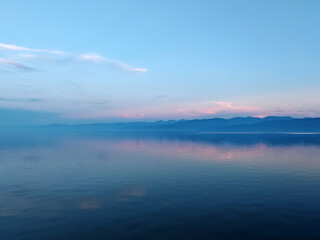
point(238, 124)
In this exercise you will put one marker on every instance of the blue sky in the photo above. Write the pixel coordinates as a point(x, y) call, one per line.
point(91, 61)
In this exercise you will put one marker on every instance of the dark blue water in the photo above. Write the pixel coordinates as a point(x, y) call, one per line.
point(99, 185)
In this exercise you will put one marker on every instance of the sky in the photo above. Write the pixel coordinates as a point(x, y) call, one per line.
point(104, 61)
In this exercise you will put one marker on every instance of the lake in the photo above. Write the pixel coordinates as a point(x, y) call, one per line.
point(158, 185)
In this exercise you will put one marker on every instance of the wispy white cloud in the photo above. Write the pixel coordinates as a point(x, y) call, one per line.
point(14, 47)
point(43, 58)
point(19, 48)
point(91, 58)
point(33, 56)
point(94, 58)
point(43, 55)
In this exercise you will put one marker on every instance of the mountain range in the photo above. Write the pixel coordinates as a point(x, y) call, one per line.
point(237, 124)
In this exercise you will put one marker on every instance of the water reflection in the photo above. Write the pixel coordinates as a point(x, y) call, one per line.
point(25, 203)
point(162, 185)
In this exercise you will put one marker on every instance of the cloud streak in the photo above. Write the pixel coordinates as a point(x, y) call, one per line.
point(44, 55)
point(27, 100)
point(94, 58)
point(19, 48)
point(16, 65)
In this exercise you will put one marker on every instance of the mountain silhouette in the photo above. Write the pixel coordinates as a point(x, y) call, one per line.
point(237, 124)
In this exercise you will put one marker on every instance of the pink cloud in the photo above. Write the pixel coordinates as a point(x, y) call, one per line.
point(216, 107)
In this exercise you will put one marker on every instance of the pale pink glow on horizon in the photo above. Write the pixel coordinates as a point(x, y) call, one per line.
point(190, 110)
point(84, 110)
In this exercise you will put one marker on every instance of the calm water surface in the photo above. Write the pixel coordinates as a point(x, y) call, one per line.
point(100, 185)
